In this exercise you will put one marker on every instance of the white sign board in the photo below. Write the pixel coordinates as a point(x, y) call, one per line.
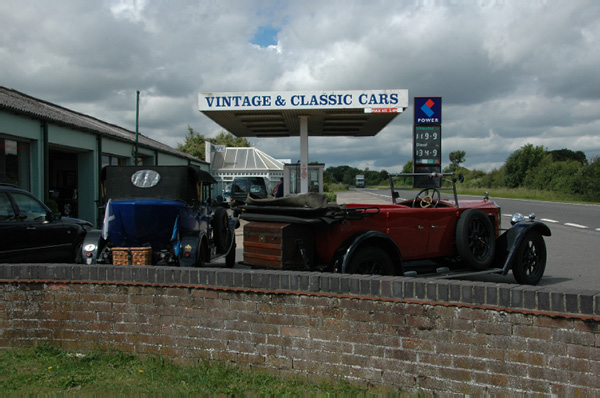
point(383, 101)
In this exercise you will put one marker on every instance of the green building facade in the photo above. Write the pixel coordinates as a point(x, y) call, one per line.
point(57, 153)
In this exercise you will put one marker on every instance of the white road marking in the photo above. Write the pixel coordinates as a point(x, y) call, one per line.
point(568, 224)
point(549, 220)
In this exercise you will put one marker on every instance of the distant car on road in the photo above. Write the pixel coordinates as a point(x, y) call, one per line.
point(31, 232)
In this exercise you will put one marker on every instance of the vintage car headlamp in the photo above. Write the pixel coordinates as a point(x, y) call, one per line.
point(517, 217)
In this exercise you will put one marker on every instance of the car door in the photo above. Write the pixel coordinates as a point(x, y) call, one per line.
point(410, 229)
point(46, 237)
point(13, 238)
point(442, 224)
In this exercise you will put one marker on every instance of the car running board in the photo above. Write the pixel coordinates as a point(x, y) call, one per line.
point(444, 272)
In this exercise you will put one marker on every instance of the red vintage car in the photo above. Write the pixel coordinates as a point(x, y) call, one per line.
point(305, 232)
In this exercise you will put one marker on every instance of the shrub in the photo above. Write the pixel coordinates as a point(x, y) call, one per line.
point(553, 176)
point(588, 183)
point(520, 162)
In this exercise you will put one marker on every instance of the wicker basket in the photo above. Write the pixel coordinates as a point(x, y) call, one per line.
point(132, 255)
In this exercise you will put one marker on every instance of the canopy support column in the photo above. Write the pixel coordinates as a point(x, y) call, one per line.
point(303, 154)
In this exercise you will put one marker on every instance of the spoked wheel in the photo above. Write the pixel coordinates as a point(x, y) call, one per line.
point(530, 262)
point(371, 261)
point(475, 239)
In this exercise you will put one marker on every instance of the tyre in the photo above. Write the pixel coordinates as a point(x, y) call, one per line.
point(221, 233)
point(530, 262)
point(230, 258)
point(475, 239)
point(371, 260)
point(78, 255)
point(201, 254)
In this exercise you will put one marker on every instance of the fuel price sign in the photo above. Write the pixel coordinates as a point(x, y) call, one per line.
point(427, 144)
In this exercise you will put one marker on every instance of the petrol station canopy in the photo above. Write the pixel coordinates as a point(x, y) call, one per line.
point(353, 113)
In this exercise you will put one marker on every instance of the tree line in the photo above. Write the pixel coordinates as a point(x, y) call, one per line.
point(532, 167)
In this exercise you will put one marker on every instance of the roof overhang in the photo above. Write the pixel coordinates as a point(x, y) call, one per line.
point(330, 113)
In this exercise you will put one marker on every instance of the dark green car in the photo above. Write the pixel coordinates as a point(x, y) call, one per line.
point(242, 187)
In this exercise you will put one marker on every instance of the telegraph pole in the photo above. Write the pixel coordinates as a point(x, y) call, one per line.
point(137, 118)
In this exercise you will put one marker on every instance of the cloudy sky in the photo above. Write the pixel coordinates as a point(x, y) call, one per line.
point(510, 72)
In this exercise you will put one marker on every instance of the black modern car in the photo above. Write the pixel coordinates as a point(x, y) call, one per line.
point(30, 232)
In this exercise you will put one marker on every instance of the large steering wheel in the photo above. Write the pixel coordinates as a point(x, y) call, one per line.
point(427, 200)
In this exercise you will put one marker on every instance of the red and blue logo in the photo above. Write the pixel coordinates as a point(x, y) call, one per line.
point(428, 110)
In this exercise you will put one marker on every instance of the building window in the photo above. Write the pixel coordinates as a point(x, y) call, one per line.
point(108, 160)
point(14, 162)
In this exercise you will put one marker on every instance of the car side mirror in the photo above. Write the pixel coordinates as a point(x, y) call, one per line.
point(53, 216)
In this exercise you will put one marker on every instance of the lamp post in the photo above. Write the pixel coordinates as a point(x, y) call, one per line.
point(137, 117)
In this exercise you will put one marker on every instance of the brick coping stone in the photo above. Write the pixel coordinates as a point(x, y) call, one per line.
point(582, 304)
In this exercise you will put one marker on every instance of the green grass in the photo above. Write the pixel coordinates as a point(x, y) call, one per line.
point(49, 370)
point(524, 193)
point(338, 187)
point(509, 193)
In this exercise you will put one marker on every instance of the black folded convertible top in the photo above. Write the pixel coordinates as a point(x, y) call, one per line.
point(163, 182)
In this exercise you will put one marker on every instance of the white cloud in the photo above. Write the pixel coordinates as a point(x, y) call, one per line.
point(509, 72)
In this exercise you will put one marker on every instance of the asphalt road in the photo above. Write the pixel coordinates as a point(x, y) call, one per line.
point(573, 249)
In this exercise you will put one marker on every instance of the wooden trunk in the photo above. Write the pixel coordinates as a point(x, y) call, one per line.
point(278, 245)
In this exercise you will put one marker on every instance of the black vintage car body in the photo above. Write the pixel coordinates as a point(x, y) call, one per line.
point(166, 208)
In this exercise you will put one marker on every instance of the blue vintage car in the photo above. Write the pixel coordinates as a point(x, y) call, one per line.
point(166, 212)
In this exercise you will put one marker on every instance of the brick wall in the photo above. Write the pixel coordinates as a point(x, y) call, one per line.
point(407, 333)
